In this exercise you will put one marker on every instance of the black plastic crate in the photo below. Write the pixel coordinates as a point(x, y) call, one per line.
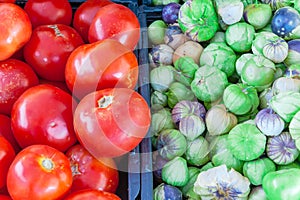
point(130, 175)
point(146, 14)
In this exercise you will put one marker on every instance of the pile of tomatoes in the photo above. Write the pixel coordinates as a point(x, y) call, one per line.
point(68, 105)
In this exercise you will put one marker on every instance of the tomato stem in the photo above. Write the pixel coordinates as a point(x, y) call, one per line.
point(47, 164)
point(56, 30)
point(105, 101)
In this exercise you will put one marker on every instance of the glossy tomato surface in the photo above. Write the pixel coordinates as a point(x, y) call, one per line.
point(15, 78)
point(48, 49)
point(104, 64)
point(84, 15)
point(91, 173)
point(117, 22)
point(39, 172)
point(15, 29)
point(6, 132)
point(92, 195)
point(44, 115)
point(7, 154)
point(46, 12)
point(111, 122)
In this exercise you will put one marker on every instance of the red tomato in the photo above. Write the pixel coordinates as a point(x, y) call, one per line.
point(7, 1)
point(84, 15)
point(15, 77)
point(43, 114)
point(118, 22)
point(15, 29)
point(100, 65)
point(48, 49)
point(60, 84)
point(92, 195)
point(44, 12)
point(39, 172)
point(118, 117)
point(91, 173)
point(5, 197)
point(6, 132)
point(7, 154)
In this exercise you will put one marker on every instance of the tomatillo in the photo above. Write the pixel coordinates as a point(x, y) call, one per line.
point(283, 184)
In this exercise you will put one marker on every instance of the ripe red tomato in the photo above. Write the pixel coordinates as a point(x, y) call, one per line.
point(44, 12)
point(5, 197)
point(43, 114)
point(48, 49)
point(6, 132)
point(92, 195)
point(91, 173)
point(39, 172)
point(7, 1)
point(7, 154)
point(84, 15)
point(100, 65)
point(118, 22)
point(118, 117)
point(60, 84)
point(15, 29)
point(15, 78)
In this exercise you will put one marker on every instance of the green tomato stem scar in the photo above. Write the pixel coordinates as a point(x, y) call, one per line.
point(105, 101)
point(47, 164)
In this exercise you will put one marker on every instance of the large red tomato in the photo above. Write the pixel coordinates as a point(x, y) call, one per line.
point(15, 77)
point(100, 65)
point(48, 49)
point(15, 29)
point(111, 122)
point(39, 172)
point(44, 12)
point(43, 114)
point(6, 132)
point(5, 197)
point(92, 195)
point(85, 14)
point(118, 22)
point(7, 154)
point(91, 173)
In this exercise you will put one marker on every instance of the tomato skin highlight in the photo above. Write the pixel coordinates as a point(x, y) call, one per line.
point(91, 173)
point(39, 172)
point(92, 195)
point(48, 49)
point(7, 154)
point(115, 21)
point(85, 14)
point(13, 20)
point(43, 12)
point(15, 77)
point(112, 121)
point(43, 114)
point(92, 67)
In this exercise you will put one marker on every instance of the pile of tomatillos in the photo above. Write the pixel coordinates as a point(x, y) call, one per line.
point(69, 109)
point(225, 100)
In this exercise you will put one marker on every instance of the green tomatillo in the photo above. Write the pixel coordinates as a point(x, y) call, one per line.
point(198, 19)
point(283, 184)
point(258, 72)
